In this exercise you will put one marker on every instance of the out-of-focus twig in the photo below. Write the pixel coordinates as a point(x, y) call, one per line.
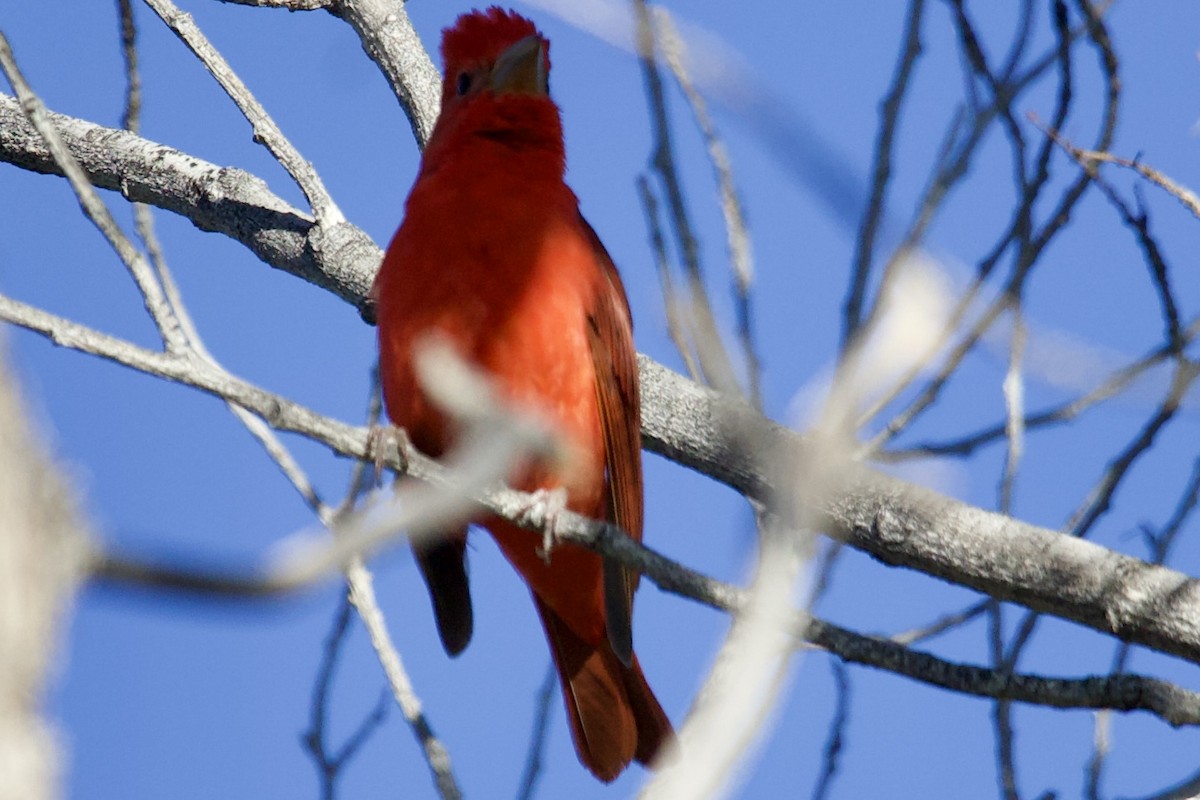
point(709, 349)
point(737, 235)
point(1139, 220)
point(836, 739)
point(329, 765)
point(42, 556)
point(1120, 380)
point(881, 173)
point(1014, 405)
point(1090, 159)
point(537, 740)
point(675, 309)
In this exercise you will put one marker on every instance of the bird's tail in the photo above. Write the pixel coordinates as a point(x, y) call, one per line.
point(614, 716)
point(443, 565)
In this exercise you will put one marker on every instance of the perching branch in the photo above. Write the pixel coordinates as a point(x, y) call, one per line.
point(896, 522)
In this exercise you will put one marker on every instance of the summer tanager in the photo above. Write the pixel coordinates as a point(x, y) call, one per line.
point(494, 257)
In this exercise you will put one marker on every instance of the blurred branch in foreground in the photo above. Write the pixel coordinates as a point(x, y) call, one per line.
point(42, 555)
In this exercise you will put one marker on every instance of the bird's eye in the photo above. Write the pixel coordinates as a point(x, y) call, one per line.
point(464, 83)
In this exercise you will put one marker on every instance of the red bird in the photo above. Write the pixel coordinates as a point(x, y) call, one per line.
point(494, 256)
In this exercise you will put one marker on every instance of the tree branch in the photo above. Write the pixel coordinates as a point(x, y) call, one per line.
point(896, 522)
point(340, 258)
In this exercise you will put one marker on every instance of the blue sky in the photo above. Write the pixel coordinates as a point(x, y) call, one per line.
point(170, 696)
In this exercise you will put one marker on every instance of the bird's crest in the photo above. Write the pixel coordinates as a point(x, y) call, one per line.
point(479, 37)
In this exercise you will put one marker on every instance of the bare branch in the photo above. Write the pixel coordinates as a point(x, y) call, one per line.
point(1119, 381)
point(362, 595)
point(330, 766)
point(873, 214)
point(1139, 222)
point(837, 731)
point(42, 555)
point(389, 39)
point(290, 5)
point(1142, 589)
point(1014, 404)
point(95, 209)
point(896, 522)
point(736, 234)
point(710, 351)
point(1099, 499)
point(341, 259)
point(1088, 159)
point(675, 309)
point(266, 131)
point(537, 741)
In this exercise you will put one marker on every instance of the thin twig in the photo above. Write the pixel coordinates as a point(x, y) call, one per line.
point(1014, 405)
point(1090, 158)
point(131, 116)
point(873, 214)
point(836, 740)
point(329, 766)
point(943, 624)
point(362, 595)
point(1160, 543)
point(537, 739)
point(1099, 499)
point(95, 208)
point(711, 353)
point(1002, 727)
point(266, 131)
point(674, 307)
point(736, 234)
point(290, 5)
point(1120, 380)
point(1138, 220)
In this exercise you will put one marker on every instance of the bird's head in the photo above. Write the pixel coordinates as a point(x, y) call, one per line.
point(496, 92)
point(493, 51)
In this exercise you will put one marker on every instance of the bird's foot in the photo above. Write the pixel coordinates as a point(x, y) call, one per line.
point(543, 510)
point(387, 443)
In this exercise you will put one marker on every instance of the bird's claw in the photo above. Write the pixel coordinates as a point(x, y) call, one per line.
point(545, 506)
point(387, 443)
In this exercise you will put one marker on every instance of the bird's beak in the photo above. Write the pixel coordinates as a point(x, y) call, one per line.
point(521, 69)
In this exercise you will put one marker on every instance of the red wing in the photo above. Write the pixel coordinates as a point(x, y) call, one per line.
point(611, 338)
